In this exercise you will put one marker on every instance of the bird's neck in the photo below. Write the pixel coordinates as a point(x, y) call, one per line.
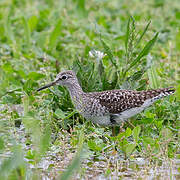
point(76, 94)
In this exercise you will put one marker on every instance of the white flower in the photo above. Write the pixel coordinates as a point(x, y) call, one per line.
point(96, 54)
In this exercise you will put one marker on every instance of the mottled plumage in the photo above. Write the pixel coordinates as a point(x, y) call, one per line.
point(108, 108)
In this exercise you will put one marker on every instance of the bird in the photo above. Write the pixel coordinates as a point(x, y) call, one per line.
point(110, 107)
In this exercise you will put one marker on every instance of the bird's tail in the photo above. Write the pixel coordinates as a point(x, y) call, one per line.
point(163, 92)
point(157, 93)
point(167, 91)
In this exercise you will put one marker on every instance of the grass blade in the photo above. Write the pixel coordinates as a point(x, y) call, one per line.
point(32, 22)
point(144, 52)
point(8, 29)
point(11, 163)
point(54, 35)
point(74, 165)
point(153, 77)
point(81, 8)
point(27, 32)
point(127, 35)
point(109, 53)
point(178, 92)
point(140, 38)
point(71, 168)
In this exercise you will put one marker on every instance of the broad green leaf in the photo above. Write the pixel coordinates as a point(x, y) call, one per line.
point(93, 146)
point(150, 115)
point(7, 67)
point(136, 131)
point(121, 136)
point(54, 35)
point(128, 132)
point(32, 22)
point(130, 148)
point(148, 141)
point(123, 144)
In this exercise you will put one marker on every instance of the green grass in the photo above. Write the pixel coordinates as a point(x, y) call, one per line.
point(38, 39)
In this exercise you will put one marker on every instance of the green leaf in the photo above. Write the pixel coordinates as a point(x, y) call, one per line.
point(127, 34)
point(32, 22)
point(93, 146)
point(26, 31)
point(109, 53)
point(1, 144)
point(101, 68)
point(45, 140)
point(153, 77)
point(136, 132)
point(35, 76)
point(8, 28)
point(54, 35)
point(81, 8)
point(143, 33)
point(60, 114)
point(25, 101)
point(128, 132)
point(7, 67)
point(114, 80)
point(177, 40)
point(75, 163)
point(144, 52)
point(178, 92)
point(148, 141)
point(13, 162)
point(129, 148)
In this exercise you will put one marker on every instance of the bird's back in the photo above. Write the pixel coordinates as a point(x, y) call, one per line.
point(117, 101)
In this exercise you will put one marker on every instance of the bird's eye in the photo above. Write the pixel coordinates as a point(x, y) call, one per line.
point(64, 77)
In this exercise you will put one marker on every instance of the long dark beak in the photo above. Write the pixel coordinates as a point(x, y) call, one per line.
point(46, 86)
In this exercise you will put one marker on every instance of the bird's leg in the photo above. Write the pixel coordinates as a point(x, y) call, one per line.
point(114, 131)
point(121, 128)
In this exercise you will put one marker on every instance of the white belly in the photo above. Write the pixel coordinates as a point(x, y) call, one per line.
point(104, 120)
point(131, 112)
point(101, 120)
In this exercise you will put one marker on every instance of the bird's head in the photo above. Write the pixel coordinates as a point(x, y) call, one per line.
point(65, 78)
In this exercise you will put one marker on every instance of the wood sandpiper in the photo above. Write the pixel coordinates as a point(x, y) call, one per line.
point(107, 108)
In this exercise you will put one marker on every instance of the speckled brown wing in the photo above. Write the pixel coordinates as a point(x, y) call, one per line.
point(117, 101)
